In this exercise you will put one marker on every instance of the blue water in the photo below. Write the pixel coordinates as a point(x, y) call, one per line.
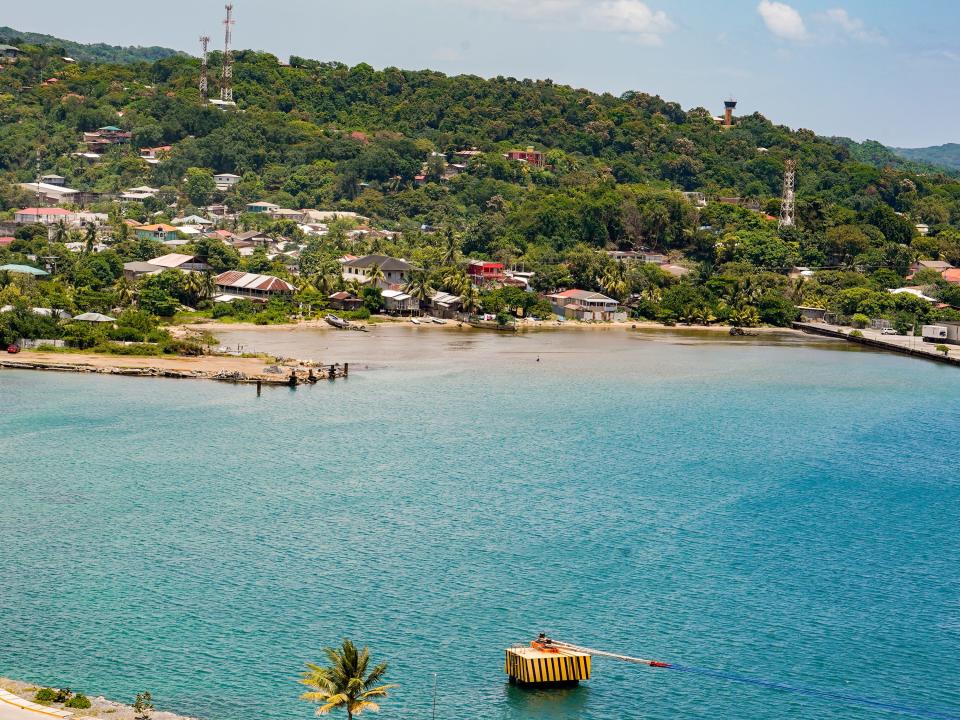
point(789, 513)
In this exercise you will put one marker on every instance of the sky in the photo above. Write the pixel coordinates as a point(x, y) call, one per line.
point(867, 69)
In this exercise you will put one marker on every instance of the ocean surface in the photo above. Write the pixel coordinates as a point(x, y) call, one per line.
point(785, 510)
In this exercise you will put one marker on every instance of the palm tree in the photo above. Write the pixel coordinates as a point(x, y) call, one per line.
point(90, 237)
point(375, 274)
point(345, 682)
point(455, 282)
point(123, 291)
point(355, 288)
point(451, 246)
point(614, 281)
point(470, 299)
point(418, 286)
point(61, 233)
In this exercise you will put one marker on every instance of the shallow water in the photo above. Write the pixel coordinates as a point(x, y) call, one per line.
point(787, 511)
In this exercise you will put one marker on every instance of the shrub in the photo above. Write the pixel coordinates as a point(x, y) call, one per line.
point(856, 334)
point(78, 701)
point(182, 347)
point(944, 349)
point(125, 334)
point(45, 695)
point(361, 313)
point(221, 310)
point(859, 320)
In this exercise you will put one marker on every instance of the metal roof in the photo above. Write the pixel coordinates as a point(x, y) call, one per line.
point(385, 262)
point(251, 281)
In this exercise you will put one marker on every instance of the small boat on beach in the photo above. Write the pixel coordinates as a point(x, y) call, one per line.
point(415, 321)
point(338, 322)
point(438, 321)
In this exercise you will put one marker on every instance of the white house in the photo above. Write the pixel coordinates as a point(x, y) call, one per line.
point(395, 271)
point(225, 181)
point(585, 305)
point(395, 301)
point(44, 216)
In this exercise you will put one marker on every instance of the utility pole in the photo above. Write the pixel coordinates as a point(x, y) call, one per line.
point(787, 201)
point(204, 44)
point(226, 86)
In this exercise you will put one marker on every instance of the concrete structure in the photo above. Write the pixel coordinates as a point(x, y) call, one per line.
point(52, 194)
point(225, 181)
point(159, 232)
point(585, 305)
point(482, 271)
point(44, 216)
point(395, 271)
point(261, 206)
point(529, 156)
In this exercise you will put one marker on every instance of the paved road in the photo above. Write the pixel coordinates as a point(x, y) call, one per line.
point(9, 711)
point(894, 342)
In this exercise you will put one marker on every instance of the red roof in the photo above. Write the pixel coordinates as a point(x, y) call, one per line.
point(44, 211)
point(952, 276)
point(6, 240)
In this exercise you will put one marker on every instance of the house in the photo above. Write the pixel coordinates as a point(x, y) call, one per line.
point(225, 181)
point(323, 216)
point(236, 284)
point(922, 228)
point(191, 220)
point(105, 137)
point(177, 261)
point(9, 53)
point(585, 305)
point(140, 193)
point(468, 155)
point(344, 301)
point(261, 206)
point(136, 270)
point(58, 180)
point(44, 216)
point(159, 232)
point(445, 304)
point(482, 271)
point(697, 199)
point(155, 154)
point(939, 265)
point(675, 270)
point(398, 302)
point(6, 241)
point(916, 292)
point(251, 238)
point(529, 156)
point(285, 214)
point(952, 276)
point(812, 314)
point(395, 271)
point(48, 193)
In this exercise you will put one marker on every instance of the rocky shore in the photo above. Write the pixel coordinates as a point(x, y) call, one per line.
point(101, 707)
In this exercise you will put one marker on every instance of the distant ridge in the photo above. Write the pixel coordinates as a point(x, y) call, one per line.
point(95, 52)
point(946, 156)
point(879, 155)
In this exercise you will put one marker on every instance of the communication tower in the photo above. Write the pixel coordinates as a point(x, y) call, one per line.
point(226, 86)
point(204, 45)
point(787, 202)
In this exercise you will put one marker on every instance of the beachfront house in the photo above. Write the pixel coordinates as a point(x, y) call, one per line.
point(397, 302)
point(482, 272)
point(236, 284)
point(344, 301)
point(395, 271)
point(586, 305)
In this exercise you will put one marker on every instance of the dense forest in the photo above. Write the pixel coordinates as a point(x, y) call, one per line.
point(309, 134)
point(93, 52)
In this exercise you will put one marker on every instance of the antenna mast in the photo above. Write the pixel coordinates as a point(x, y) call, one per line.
point(226, 88)
point(204, 44)
point(786, 203)
point(38, 176)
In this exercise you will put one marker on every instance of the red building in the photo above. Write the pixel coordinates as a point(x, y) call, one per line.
point(484, 272)
point(530, 156)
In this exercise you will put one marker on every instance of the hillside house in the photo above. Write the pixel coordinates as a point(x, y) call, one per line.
point(58, 180)
point(9, 53)
point(532, 157)
point(395, 271)
point(225, 181)
point(261, 206)
point(44, 216)
point(53, 194)
point(158, 231)
point(104, 138)
point(178, 261)
point(236, 284)
point(153, 155)
point(585, 305)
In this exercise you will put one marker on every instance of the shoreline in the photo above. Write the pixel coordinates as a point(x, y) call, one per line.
point(223, 368)
point(101, 707)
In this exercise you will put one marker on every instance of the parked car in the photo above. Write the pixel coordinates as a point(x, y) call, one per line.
point(889, 331)
point(13, 349)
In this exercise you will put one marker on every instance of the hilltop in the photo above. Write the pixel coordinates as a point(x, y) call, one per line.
point(94, 52)
point(946, 156)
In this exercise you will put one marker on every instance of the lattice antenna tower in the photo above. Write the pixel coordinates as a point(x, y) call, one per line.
point(204, 47)
point(787, 202)
point(226, 86)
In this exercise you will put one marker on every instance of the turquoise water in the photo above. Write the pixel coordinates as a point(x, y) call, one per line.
point(787, 512)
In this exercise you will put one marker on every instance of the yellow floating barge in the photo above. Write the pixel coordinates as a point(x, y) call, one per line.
point(543, 664)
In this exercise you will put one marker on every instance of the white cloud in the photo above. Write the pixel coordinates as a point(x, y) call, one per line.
point(852, 27)
point(782, 20)
point(632, 18)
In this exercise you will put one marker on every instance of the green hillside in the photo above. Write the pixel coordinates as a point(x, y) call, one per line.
point(946, 156)
point(383, 143)
point(96, 52)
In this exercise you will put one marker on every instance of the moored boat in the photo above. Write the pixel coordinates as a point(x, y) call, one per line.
point(337, 322)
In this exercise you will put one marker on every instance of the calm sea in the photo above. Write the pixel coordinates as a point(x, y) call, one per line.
point(786, 511)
